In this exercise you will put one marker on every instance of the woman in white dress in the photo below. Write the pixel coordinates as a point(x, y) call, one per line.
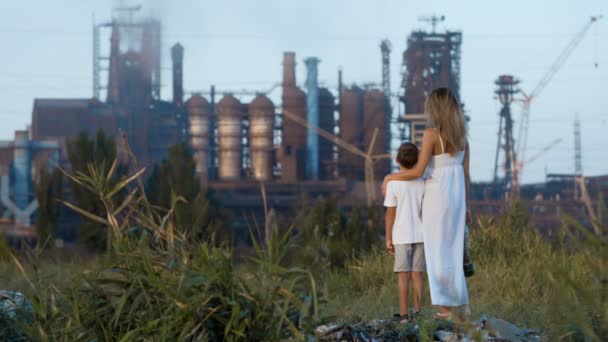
point(444, 161)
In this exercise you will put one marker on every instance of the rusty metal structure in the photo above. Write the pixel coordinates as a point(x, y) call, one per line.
point(361, 112)
point(245, 140)
point(327, 150)
point(133, 101)
point(177, 59)
point(374, 115)
point(293, 145)
point(350, 166)
point(431, 60)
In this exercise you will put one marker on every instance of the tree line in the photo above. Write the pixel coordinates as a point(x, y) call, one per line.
point(198, 215)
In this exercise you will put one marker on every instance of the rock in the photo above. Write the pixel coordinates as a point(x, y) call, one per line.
point(327, 329)
point(446, 336)
point(15, 311)
point(504, 330)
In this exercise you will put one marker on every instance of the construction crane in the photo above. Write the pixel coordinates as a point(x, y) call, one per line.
point(368, 158)
point(522, 137)
point(580, 187)
point(521, 165)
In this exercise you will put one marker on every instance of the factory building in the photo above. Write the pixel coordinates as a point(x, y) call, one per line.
point(132, 103)
point(245, 139)
point(431, 60)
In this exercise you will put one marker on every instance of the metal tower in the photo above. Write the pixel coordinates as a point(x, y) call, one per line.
point(100, 63)
point(578, 154)
point(385, 48)
point(507, 88)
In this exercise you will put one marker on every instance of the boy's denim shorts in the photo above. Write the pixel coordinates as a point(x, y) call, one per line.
point(409, 257)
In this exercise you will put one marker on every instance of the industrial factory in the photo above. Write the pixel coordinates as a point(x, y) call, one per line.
point(317, 141)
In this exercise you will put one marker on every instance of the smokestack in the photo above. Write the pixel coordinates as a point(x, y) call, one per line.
point(177, 57)
point(289, 70)
point(312, 116)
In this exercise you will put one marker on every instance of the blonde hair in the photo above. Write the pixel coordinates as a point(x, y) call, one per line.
point(444, 114)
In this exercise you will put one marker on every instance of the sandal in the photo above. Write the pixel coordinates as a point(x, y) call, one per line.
point(403, 319)
point(442, 317)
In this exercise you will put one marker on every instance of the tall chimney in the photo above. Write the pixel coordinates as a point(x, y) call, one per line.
point(312, 116)
point(177, 57)
point(289, 70)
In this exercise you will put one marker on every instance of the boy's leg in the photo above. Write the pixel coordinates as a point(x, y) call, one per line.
point(404, 284)
point(418, 280)
point(402, 268)
point(418, 270)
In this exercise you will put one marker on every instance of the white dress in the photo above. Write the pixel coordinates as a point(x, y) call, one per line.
point(443, 219)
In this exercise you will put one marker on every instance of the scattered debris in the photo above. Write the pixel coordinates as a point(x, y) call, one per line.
point(493, 329)
point(15, 312)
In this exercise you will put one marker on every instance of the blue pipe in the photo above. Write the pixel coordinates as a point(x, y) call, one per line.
point(21, 169)
point(312, 116)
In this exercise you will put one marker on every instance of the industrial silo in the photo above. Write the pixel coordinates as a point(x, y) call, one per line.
point(350, 166)
point(374, 116)
point(327, 122)
point(261, 124)
point(229, 116)
point(198, 116)
point(293, 144)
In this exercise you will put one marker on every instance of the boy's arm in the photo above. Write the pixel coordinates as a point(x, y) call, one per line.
point(389, 222)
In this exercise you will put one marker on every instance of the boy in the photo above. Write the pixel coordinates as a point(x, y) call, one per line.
point(404, 238)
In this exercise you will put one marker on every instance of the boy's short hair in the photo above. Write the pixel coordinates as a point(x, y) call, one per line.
point(407, 155)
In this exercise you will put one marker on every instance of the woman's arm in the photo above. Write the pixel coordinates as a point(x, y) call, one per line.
point(426, 152)
point(467, 181)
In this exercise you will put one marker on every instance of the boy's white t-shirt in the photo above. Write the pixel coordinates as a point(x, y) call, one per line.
point(407, 197)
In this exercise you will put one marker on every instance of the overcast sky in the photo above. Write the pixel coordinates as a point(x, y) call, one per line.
point(46, 53)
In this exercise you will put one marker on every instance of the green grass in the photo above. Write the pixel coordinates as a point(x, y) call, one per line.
point(155, 284)
point(521, 276)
